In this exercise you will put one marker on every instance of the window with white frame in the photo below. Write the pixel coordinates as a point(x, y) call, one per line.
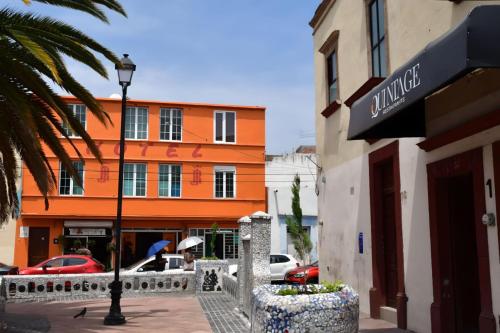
point(169, 180)
point(134, 179)
point(225, 182)
point(225, 126)
point(79, 111)
point(170, 124)
point(67, 185)
point(136, 123)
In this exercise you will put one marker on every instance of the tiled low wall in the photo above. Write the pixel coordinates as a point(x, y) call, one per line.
point(329, 313)
point(209, 275)
point(230, 285)
point(95, 285)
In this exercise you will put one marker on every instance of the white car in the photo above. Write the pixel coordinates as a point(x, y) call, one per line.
point(173, 262)
point(280, 264)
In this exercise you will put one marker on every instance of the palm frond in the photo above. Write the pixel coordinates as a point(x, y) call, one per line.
point(88, 6)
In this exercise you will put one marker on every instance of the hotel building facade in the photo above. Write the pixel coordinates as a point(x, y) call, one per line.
point(187, 166)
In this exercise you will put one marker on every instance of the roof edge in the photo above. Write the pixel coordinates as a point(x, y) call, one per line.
point(143, 101)
point(320, 12)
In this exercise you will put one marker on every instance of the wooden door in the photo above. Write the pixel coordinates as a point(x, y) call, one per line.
point(459, 246)
point(386, 234)
point(388, 238)
point(38, 245)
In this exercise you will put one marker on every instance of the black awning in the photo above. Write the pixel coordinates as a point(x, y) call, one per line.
point(396, 107)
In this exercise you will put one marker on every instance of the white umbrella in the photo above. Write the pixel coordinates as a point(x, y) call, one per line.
point(189, 242)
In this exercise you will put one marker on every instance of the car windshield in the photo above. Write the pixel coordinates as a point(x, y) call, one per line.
point(2, 265)
point(139, 263)
point(314, 264)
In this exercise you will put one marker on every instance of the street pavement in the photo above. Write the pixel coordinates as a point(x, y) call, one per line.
point(155, 313)
point(149, 314)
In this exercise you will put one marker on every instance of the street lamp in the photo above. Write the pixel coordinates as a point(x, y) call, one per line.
point(125, 70)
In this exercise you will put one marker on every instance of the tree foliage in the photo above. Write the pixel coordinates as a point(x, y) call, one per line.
point(32, 53)
point(300, 237)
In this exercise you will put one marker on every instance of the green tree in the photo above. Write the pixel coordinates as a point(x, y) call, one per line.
point(32, 52)
point(300, 236)
point(213, 239)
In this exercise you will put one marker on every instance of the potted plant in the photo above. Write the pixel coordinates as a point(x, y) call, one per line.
point(326, 307)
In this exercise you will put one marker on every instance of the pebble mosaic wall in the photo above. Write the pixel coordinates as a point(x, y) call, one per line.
point(329, 313)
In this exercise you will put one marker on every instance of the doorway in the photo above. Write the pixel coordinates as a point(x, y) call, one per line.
point(388, 290)
point(459, 246)
point(143, 241)
point(38, 245)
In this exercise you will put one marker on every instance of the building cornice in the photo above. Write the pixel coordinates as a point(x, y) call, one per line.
point(320, 13)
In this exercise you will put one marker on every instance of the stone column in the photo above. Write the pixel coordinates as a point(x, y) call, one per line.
point(243, 260)
point(260, 250)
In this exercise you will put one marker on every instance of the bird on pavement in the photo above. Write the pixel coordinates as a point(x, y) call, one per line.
point(81, 313)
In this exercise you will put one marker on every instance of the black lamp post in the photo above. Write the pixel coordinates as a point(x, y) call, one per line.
point(125, 70)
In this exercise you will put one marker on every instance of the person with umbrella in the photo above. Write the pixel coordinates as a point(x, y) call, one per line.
point(187, 245)
point(157, 249)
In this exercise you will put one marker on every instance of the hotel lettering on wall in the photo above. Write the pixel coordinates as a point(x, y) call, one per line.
point(393, 93)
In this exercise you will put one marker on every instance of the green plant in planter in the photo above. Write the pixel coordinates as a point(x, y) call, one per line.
point(215, 228)
point(334, 287)
point(324, 288)
point(288, 292)
point(210, 258)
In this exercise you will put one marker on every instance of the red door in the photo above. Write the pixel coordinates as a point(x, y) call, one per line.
point(38, 245)
point(388, 238)
point(459, 246)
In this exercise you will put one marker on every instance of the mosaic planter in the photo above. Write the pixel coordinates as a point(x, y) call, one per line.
point(333, 312)
point(209, 275)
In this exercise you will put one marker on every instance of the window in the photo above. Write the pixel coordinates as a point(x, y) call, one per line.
point(332, 77)
point(377, 37)
point(134, 179)
point(74, 261)
point(278, 259)
point(170, 124)
point(227, 242)
point(55, 263)
point(224, 182)
point(67, 185)
point(169, 183)
point(225, 127)
point(79, 111)
point(136, 123)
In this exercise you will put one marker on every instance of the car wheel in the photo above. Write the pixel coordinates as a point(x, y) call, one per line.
point(313, 281)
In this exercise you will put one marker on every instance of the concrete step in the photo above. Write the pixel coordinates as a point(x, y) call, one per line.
point(389, 314)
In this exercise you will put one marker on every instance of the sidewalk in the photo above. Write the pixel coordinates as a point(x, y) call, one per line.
point(150, 314)
point(172, 313)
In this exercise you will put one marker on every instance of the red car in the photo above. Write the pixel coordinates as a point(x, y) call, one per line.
point(66, 264)
point(303, 274)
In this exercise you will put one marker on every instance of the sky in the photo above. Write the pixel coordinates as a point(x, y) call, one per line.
point(248, 52)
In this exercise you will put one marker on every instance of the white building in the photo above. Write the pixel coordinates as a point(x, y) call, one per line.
point(408, 138)
point(280, 172)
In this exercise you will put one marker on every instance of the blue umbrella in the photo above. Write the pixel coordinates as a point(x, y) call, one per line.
point(156, 247)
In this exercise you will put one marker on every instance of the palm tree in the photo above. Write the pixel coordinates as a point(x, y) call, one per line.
point(32, 51)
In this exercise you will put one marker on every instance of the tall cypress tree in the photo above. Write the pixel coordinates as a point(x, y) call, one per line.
point(300, 237)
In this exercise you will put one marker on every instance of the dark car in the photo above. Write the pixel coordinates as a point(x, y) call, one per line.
point(8, 270)
point(303, 274)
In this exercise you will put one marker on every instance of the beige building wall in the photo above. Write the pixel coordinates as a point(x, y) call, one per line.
point(344, 199)
point(8, 233)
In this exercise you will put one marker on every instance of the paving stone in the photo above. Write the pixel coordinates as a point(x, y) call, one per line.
point(222, 314)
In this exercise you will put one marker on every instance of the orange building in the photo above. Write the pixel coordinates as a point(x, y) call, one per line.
point(187, 166)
